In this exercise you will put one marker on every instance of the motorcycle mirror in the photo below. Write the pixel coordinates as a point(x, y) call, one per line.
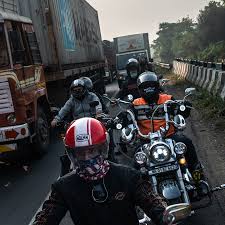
point(179, 122)
point(176, 213)
point(164, 81)
point(93, 104)
point(119, 126)
point(190, 91)
point(130, 98)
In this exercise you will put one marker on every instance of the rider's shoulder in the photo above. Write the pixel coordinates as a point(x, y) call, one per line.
point(92, 94)
point(123, 169)
point(139, 101)
point(68, 178)
point(166, 96)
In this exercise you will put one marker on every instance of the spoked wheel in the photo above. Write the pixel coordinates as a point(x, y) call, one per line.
point(42, 138)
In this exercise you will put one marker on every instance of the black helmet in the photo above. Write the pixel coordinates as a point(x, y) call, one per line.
point(132, 68)
point(148, 86)
point(78, 89)
point(88, 83)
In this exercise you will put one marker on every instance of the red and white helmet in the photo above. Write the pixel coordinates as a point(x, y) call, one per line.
point(87, 133)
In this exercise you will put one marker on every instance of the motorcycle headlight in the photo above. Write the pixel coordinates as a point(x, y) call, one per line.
point(160, 153)
point(180, 148)
point(140, 158)
point(121, 77)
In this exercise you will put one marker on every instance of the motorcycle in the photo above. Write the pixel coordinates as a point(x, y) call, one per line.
point(161, 160)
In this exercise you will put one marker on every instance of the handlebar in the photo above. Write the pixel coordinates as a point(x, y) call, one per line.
point(165, 105)
point(135, 124)
point(116, 100)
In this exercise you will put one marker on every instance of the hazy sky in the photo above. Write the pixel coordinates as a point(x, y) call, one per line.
point(122, 17)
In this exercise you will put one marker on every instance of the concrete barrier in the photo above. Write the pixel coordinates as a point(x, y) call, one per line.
point(209, 79)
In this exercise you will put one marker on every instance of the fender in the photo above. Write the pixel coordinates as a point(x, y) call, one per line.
point(170, 190)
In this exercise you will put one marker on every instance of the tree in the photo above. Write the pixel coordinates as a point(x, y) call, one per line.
point(211, 24)
point(170, 36)
point(204, 40)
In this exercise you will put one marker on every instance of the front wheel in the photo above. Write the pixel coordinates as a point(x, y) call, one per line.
point(42, 138)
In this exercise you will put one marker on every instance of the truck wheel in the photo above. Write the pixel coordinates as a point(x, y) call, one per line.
point(42, 138)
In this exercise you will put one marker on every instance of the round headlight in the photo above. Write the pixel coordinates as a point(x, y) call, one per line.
point(160, 153)
point(140, 158)
point(11, 118)
point(180, 148)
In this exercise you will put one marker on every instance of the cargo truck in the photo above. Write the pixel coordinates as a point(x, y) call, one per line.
point(110, 59)
point(69, 38)
point(67, 45)
point(24, 108)
point(130, 46)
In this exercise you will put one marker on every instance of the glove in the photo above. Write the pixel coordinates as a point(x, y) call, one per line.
point(54, 123)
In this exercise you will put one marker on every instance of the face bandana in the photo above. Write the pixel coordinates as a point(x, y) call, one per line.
point(151, 94)
point(133, 74)
point(93, 169)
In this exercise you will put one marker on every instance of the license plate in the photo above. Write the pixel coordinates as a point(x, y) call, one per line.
point(8, 148)
point(163, 169)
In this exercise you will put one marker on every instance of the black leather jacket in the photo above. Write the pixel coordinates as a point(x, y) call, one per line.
point(129, 87)
point(126, 190)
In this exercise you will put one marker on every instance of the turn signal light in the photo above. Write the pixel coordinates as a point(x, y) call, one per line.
point(182, 161)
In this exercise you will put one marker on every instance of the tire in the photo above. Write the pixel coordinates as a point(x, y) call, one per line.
point(42, 138)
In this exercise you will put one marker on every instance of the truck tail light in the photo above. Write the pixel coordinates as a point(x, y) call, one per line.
point(23, 131)
point(11, 134)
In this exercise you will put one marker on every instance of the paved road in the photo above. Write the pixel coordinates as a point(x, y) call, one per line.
point(22, 193)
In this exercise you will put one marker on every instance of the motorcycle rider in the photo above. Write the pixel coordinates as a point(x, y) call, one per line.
point(98, 192)
point(145, 65)
point(151, 97)
point(90, 87)
point(76, 107)
point(130, 86)
point(78, 104)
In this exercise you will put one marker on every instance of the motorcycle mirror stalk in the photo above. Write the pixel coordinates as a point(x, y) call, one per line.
point(189, 91)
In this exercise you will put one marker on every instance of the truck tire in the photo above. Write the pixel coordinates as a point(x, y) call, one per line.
point(42, 138)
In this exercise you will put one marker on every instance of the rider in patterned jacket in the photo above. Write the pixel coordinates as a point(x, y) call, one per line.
point(98, 192)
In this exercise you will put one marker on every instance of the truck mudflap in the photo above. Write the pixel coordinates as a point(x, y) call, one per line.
point(14, 133)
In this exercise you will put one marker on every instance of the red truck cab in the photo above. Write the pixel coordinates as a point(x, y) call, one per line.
point(24, 107)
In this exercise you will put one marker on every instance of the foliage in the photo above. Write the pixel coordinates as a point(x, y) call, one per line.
point(214, 52)
point(203, 40)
